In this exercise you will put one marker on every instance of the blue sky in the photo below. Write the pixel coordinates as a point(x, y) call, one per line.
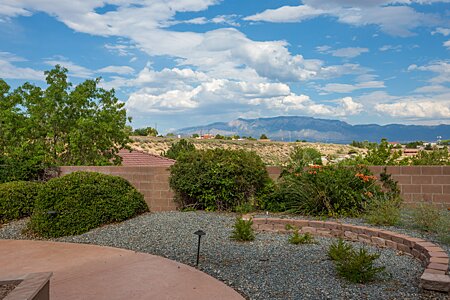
point(179, 63)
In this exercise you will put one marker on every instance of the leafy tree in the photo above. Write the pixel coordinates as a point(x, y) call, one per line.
point(195, 135)
point(179, 148)
point(147, 131)
point(219, 137)
point(170, 134)
point(60, 125)
point(382, 155)
point(263, 137)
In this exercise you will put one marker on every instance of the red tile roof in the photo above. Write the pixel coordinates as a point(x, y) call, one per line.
point(138, 158)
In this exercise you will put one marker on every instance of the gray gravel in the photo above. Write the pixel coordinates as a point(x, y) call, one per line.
point(267, 268)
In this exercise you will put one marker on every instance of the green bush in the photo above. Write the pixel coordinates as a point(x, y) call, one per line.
point(178, 148)
point(339, 250)
point(355, 266)
point(243, 230)
point(218, 179)
point(302, 157)
point(359, 266)
point(296, 238)
point(383, 210)
point(82, 201)
point(429, 218)
point(17, 199)
point(329, 190)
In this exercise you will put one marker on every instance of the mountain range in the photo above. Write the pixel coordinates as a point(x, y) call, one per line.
point(291, 128)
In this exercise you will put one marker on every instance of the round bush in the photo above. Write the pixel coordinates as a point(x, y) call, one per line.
point(82, 201)
point(218, 179)
point(17, 199)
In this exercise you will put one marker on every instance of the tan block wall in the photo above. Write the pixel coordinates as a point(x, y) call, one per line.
point(417, 183)
point(152, 182)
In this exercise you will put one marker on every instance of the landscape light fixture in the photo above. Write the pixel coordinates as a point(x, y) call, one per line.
point(52, 213)
point(200, 233)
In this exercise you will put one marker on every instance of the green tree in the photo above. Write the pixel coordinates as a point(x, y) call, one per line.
point(179, 148)
point(263, 137)
point(147, 131)
point(195, 135)
point(382, 155)
point(62, 124)
point(303, 157)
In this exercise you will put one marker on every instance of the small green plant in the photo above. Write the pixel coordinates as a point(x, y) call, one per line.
point(244, 208)
point(383, 210)
point(430, 218)
point(355, 266)
point(243, 230)
point(359, 266)
point(426, 216)
point(339, 250)
point(306, 238)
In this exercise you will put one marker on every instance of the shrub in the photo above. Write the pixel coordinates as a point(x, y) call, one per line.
point(339, 250)
point(179, 148)
point(17, 199)
point(355, 266)
point(82, 201)
point(243, 230)
point(429, 218)
point(218, 179)
point(329, 190)
point(302, 157)
point(383, 210)
point(359, 266)
point(296, 238)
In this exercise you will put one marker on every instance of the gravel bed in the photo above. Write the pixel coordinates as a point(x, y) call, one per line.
point(267, 268)
point(5, 289)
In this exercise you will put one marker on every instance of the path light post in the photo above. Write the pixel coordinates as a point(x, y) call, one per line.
point(52, 213)
point(199, 233)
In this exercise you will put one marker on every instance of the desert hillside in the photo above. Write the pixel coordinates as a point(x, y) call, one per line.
point(272, 153)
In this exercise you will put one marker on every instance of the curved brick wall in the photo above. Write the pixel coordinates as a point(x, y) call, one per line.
point(434, 258)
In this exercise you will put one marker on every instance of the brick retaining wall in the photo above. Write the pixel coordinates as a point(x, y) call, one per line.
point(153, 182)
point(435, 260)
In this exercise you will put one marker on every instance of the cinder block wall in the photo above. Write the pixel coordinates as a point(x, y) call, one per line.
point(417, 183)
point(153, 182)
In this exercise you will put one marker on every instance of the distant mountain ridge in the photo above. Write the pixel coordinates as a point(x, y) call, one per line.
point(291, 128)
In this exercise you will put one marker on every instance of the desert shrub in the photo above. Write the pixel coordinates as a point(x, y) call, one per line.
point(178, 148)
point(17, 199)
point(383, 210)
point(296, 238)
point(329, 190)
point(354, 265)
point(218, 179)
point(82, 201)
point(302, 157)
point(429, 218)
point(359, 266)
point(242, 230)
point(339, 250)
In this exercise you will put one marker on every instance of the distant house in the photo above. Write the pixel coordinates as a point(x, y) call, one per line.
point(136, 158)
point(410, 152)
point(207, 136)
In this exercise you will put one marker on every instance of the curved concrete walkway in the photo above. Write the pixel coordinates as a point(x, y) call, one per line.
point(92, 272)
